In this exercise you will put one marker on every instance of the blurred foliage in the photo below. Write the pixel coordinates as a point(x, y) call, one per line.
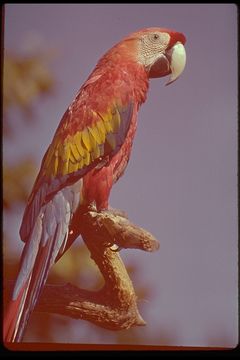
point(26, 79)
point(81, 269)
point(17, 180)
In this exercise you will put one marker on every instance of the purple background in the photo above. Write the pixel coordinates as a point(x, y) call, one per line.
point(181, 182)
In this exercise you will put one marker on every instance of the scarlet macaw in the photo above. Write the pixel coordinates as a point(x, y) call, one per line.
point(88, 154)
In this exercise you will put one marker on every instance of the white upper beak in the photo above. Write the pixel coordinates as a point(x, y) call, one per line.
point(177, 56)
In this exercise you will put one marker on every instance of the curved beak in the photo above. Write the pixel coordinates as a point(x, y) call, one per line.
point(177, 61)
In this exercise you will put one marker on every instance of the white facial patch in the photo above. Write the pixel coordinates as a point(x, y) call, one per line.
point(151, 47)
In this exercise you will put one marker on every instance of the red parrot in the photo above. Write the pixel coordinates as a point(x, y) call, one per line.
point(89, 152)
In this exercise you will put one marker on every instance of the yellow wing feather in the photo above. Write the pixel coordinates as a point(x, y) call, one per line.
point(84, 147)
point(74, 151)
point(86, 140)
point(101, 129)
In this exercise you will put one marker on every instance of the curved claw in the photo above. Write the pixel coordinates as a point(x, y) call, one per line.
point(115, 248)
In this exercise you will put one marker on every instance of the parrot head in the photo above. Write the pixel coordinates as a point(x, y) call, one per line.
point(161, 51)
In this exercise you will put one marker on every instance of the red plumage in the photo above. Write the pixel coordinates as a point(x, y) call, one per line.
point(89, 152)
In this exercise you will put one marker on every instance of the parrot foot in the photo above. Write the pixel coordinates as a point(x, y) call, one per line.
point(115, 247)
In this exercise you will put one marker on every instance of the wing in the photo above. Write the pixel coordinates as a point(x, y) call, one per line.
point(70, 157)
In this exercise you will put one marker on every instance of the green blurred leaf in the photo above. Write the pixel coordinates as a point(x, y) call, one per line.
point(17, 180)
point(25, 79)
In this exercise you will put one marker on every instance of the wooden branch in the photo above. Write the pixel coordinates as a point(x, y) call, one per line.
point(115, 305)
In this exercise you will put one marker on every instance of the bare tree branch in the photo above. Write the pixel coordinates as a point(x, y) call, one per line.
point(115, 305)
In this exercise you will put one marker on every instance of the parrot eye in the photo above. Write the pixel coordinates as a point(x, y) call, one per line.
point(154, 38)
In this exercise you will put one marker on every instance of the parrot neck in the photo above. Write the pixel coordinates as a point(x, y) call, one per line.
point(123, 63)
point(140, 81)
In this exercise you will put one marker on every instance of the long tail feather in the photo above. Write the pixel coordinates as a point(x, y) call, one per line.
point(46, 242)
point(11, 318)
